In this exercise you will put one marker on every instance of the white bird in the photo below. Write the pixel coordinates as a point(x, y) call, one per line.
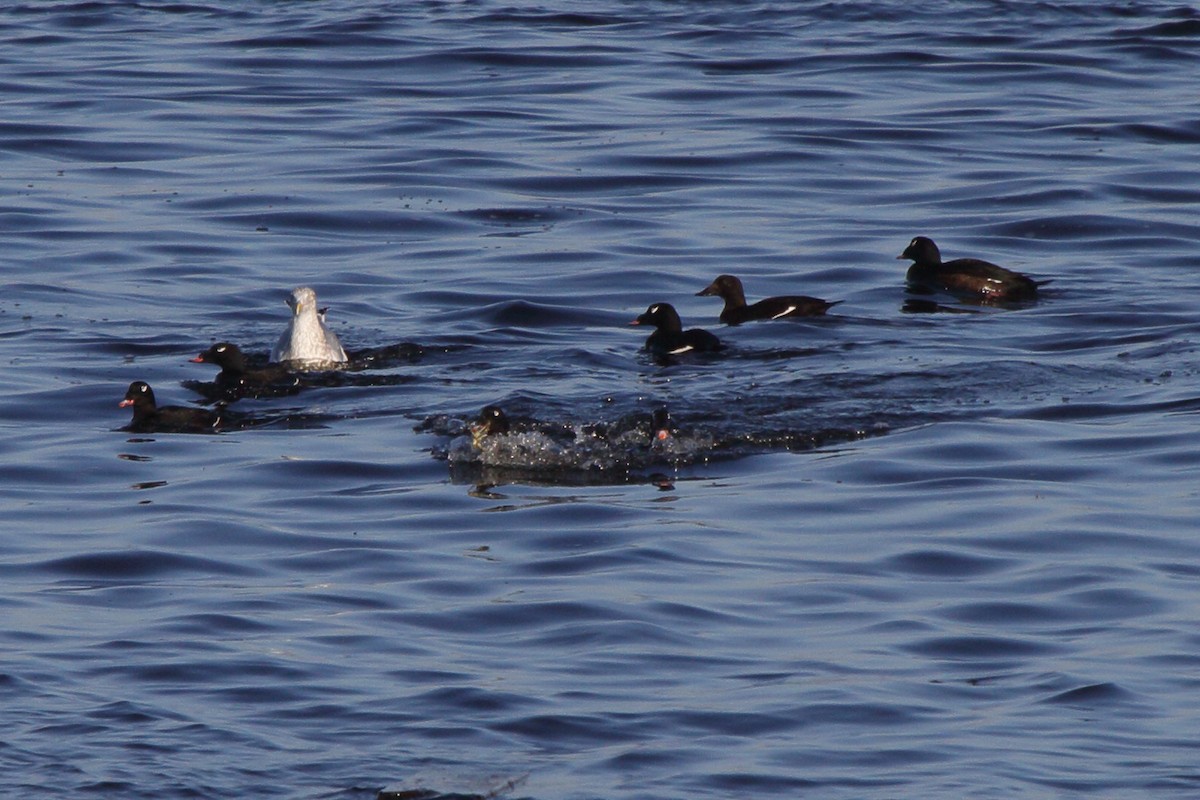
point(306, 339)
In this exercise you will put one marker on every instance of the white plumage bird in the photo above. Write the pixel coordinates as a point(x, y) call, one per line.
point(306, 341)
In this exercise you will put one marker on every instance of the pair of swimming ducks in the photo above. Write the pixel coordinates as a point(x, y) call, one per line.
point(307, 343)
point(970, 278)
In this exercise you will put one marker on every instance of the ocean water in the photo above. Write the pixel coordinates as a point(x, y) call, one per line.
point(916, 548)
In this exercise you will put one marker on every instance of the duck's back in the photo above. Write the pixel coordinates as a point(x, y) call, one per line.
point(976, 276)
point(777, 308)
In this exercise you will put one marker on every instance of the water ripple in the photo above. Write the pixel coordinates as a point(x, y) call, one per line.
point(899, 551)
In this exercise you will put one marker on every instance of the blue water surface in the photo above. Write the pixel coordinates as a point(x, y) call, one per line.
point(916, 548)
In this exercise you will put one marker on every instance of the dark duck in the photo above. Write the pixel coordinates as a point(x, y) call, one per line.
point(639, 426)
point(149, 417)
point(967, 277)
point(736, 311)
point(492, 421)
point(669, 337)
point(236, 379)
point(661, 426)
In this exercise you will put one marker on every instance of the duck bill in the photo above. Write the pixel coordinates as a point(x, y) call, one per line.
point(197, 360)
point(124, 403)
point(478, 434)
point(662, 435)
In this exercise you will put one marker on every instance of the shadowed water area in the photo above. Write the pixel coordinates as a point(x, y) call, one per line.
point(916, 547)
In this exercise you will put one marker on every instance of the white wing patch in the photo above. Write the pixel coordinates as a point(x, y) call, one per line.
point(678, 350)
point(785, 312)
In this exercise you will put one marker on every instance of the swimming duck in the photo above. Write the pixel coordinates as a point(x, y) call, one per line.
point(972, 277)
point(661, 427)
point(236, 379)
point(149, 417)
point(307, 340)
point(492, 421)
point(637, 426)
point(736, 310)
point(669, 337)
